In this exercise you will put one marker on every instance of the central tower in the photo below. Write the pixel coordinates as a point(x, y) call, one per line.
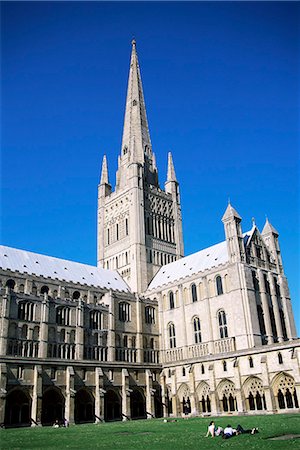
point(139, 224)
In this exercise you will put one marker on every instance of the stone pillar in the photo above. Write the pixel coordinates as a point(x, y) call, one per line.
point(79, 338)
point(193, 393)
point(99, 395)
point(209, 317)
point(174, 394)
point(275, 308)
point(139, 335)
point(4, 323)
point(238, 391)
point(163, 394)
point(287, 309)
point(111, 335)
point(70, 395)
point(37, 395)
point(126, 413)
point(269, 396)
point(265, 307)
point(3, 392)
point(44, 327)
point(150, 409)
point(215, 408)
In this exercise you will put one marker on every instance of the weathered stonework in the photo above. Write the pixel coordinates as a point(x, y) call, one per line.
point(208, 334)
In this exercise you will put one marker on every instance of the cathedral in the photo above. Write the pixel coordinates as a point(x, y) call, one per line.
point(149, 332)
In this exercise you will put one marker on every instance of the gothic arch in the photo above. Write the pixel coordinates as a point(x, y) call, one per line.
point(84, 406)
point(227, 396)
point(283, 386)
point(137, 404)
point(112, 405)
point(183, 396)
point(254, 394)
point(53, 406)
point(17, 408)
point(203, 394)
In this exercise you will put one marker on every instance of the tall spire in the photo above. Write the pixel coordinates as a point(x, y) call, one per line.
point(104, 172)
point(135, 120)
point(171, 176)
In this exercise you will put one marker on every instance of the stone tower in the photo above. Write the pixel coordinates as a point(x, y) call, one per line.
point(139, 224)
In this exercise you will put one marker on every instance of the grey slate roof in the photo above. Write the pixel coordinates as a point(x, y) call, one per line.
point(197, 262)
point(60, 269)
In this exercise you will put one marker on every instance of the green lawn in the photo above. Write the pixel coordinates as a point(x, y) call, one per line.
point(155, 434)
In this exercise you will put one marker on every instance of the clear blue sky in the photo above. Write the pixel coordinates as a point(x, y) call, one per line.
point(221, 84)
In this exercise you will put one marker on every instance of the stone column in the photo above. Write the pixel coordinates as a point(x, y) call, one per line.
point(163, 394)
point(79, 338)
point(5, 321)
point(275, 308)
point(265, 307)
point(139, 335)
point(193, 394)
point(37, 395)
point(269, 396)
point(126, 413)
point(70, 395)
point(287, 309)
point(209, 317)
point(111, 335)
point(3, 392)
point(174, 393)
point(149, 395)
point(99, 395)
point(44, 327)
point(215, 409)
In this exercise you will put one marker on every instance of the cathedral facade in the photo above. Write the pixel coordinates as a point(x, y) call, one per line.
point(148, 332)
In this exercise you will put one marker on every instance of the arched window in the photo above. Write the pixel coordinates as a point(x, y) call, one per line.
point(125, 341)
point(124, 312)
point(183, 371)
point(194, 292)
point(222, 324)
point(44, 290)
point(172, 336)
point(26, 311)
point(76, 295)
point(21, 288)
point(24, 332)
point(219, 285)
point(225, 366)
point(202, 369)
point(251, 362)
point(280, 360)
point(95, 320)
point(10, 284)
point(63, 316)
point(197, 330)
point(171, 300)
point(150, 314)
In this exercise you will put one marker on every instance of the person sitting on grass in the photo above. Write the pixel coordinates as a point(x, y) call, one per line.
point(213, 430)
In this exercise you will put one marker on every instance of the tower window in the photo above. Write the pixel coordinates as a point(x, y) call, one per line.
point(251, 362)
point(222, 324)
point(280, 360)
point(172, 336)
point(150, 314)
point(194, 293)
point(171, 300)
point(219, 285)
point(197, 330)
point(124, 312)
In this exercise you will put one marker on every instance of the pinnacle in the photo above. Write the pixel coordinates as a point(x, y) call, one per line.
point(171, 176)
point(230, 213)
point(104, 172)
point(268, 228)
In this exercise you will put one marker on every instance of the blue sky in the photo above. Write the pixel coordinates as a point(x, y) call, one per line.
point(221, 85)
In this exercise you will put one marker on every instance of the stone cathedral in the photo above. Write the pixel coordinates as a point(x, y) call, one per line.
point(148, 332)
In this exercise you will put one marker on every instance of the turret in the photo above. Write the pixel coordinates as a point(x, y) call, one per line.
point(270, 237)
point(104, 186)
point(234, 236)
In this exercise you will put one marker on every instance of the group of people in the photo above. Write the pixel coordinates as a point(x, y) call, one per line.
point(228, 431)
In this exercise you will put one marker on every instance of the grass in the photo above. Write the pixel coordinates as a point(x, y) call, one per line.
point(155, 434)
